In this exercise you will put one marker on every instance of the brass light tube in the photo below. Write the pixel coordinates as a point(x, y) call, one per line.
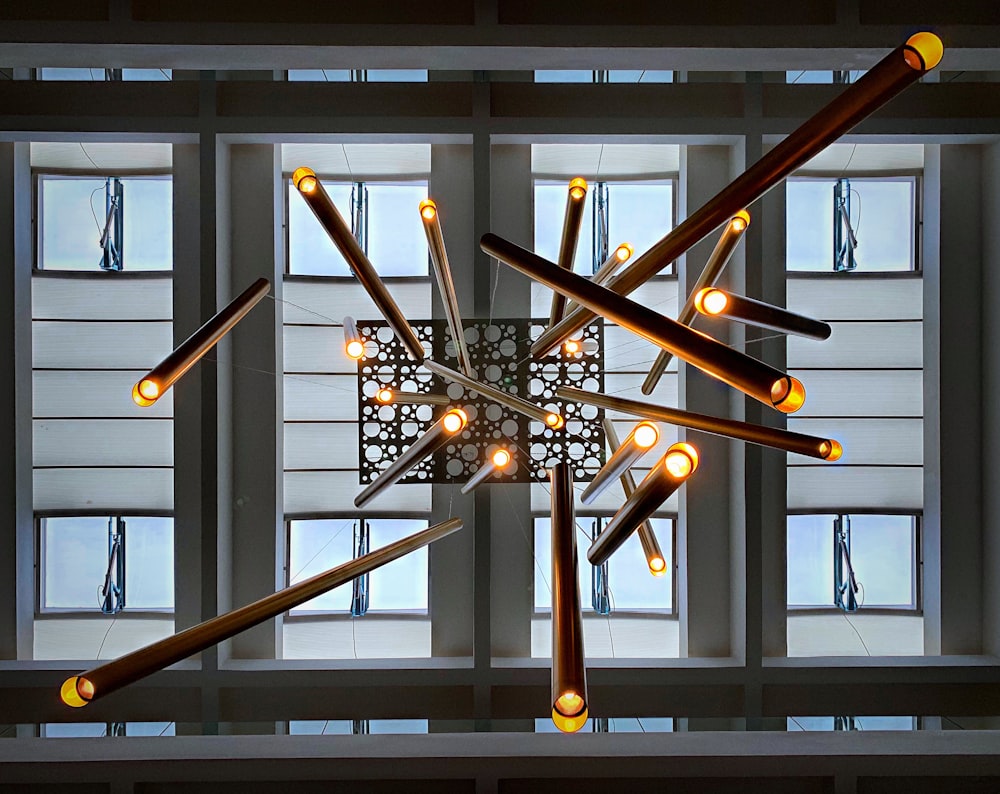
point(154, 383)
point(718, 303)
point(435, 437)
point(354, 346)
point(569, 670)
point(732, 233)
point(498, 460)
point(823, 448)
point(445, 282)
point(904, 65)
point(389, 397)
point(319, 201)
point(80, 689)
point(755, 378)
point(670, 472)
point(647, 537)
point(532, 411)
point(575, 201)
point(619, 257)
point(636, 444)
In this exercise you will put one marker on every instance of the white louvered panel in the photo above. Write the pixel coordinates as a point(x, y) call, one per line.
point(845, 488)
point(862, 392)
point(615, 636)
point(840, 297)
point(329, 491)
point(321, 397)
point(364, 639)
point(625, 351)
point(316, 349)
point(95, 345)
point(896, 442)
point(355, 160)
point(109, 157)
point(104, 489)
point(866, 158)
point(334, 300)
point(103, 442)
point(658, 294)
point(75, 393)
point(590, 160)
point(860, 345)
point(103, 297)
point(84, 637)
point(629, 387)
point(610, 500)
point(321, 445)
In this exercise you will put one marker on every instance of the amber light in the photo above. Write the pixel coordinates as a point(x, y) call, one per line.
point(428, 209)
point(681, 460)
point(554, 421)
point(304, 180)
point(624, 252)
point(788, 394)
point(76, 691)
point(740, 221)
point(657, 566)
point(384, 396)
point(711, 301)
point(571, 346)
point(578, 188)
point(355, 349)
point(455, 420)
point(569, 712)
point(646, 434)
point(923, 51)
point(145, 393)
point(831, 450)
point(501, 458)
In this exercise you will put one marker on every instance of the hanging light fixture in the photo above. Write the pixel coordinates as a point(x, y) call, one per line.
point(575, 200)
point(718, 303)
point(387, 396)
point(636, 444)
point(497, 461)
point(354, 345)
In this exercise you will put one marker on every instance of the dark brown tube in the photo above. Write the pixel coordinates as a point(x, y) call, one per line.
point(763, 315)
point(752, 377)
point(625, 454)
point(319, 201)
point(822, 448)
point(575, 200)
point(901, 67)
point(165, 374)
point(99, 681)
point(569, 670)
point(435, 437)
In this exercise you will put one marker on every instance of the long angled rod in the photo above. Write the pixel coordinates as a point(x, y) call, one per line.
point(568, 242)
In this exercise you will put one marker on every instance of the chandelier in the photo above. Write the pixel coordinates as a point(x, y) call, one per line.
point(479, 397)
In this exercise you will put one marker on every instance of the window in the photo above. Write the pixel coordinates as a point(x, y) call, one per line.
point(358, 75)
point(94, 223)
point(812, 76)
point(840, 224)
point(94, 75)
point(383, 217)
point(604, 76)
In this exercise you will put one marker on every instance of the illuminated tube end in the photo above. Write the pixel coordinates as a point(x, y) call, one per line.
point(923, 51)
point(571, 346)
point(555, 421)
point(455, 420)
point(657, 566)
point(145, 393)
point(501, 458)
point(569, 712)
point(428, 209)
point(355, 349)
point(304, 180)
point(646, 434)
point(578, 188)
point(384, 396)
point(681, 460)
point(831, 450)
point(711, 301)
point(788, 394)
point(740, 221)
point(76, 692)
point(624, 252)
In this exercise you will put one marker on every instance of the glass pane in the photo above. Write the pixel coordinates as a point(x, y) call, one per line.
point(882, 553)
point(883, 222)
point(640, 76)
point(72, 218)
point(808, 76)
point(397, 244)
point(316, 545)
point(397, 75)
point(631, 584)
point(397, 726)
point(310, 250)
point(149, 563)
point(319, 727)
point(810, 560)
point(76, 559)
point(147, 74)
point(550, 209)
point(809, 225)
point(564, 76)
point(150, 729)
point(149, 236)
point(74, 730)
point(402, 584)
point(319, 76)
point(71, 74)
point(543, 562)
point(639, 214)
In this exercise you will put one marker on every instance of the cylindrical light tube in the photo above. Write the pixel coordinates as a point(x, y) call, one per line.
point(718, 303)
point(647, 537)
point(731, 235)
point(904, 65)
point(549, 418)
point(569, 669)
point(754, 378)
point(354, 345)
point(498, 460)
point(319, 201)
point(823, 448)
point(636, 444)
point(388, 397)
point(575, 200)
point(435, 437)
point(154, 383)
point(618, 257)
point(81, 689)
point(446, 285)
point(670, 472)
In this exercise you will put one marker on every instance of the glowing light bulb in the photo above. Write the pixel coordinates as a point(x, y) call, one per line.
point(711, 301)
point(355, 349)
point(571, 346)
point(569, 712)
point(646, 434)
point(624, 251)
point(76, 692)
point(923, 51)
point(788, 394)
point(578, 188)
point(305, 180)
point(831, 450)
point(455, 420)
point(501, 458)
point(384, 396)
point(657, 566)
point(428, 209)
point(740, 221)
point(554, 421)
point(681, 459)
point(145, 393)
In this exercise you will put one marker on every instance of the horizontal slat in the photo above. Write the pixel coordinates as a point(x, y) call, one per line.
point(335, 299)
point(841, 297)
point(629, 387)
point(861, 345)
point(86, 393)
point(321, 446)
point(831, 635)
point(361, 639)
point(354, 160)
point(625, 351)
point(615, 637)
point(897, 442)
point(334, 491)
point(840, 488)
point(82, 638)
point(659, 295)
point(591, 160)
point(104, 489)
point(866, 158)
point(104, 297)
point(321, 397)
point(97, 345)
point(316, 349)
point(105, 156)
point(862, 393)
point(103, 442)
point(609, 500)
